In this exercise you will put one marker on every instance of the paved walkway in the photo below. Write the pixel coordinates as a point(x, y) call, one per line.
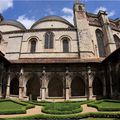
point(37, 110)
point(88, 109)
point(32, 111)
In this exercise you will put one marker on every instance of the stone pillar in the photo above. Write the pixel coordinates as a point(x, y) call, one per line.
point(110, 78)
point(21, 88)
point(1, 85)
point(90, 80)
point(67, 92)
point(43, 93)
point(104, 85)
point(43, 87)
point(108, 35)
point(1, 77)
point(8, 86)
point(67, 86)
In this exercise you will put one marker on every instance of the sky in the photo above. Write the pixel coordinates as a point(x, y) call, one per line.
point(29, 11)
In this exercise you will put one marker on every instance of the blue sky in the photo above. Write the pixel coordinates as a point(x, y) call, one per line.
point(29, 11)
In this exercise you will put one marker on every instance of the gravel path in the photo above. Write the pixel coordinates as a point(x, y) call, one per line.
point(32, 111)
point(88, 109)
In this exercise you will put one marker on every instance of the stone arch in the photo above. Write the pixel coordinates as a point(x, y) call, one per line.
point(14, 86)
point(117, 40)
point(0, 37)
point(97, 86)
point(33, 86)
point(49, 40)
point(100, 42)
point(77, 86)
point(30, 40)
point(68, 39)
point(55, 86)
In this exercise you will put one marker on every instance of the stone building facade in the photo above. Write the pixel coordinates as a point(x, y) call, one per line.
point(57, 60)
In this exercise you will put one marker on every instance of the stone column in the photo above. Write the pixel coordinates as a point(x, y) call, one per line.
point(1, 85)
point(43, 87)
point(43, 93)
point(90, 80)
point(110, 78)
point(21, 88)
point(67, 86)
point(108, 35)
point(8, 86)
point(104, 84)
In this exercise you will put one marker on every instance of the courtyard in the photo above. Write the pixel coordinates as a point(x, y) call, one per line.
point(85, 110)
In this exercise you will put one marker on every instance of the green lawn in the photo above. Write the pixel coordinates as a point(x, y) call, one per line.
point(62, 108)
point(106, 105)
point(103, 119)
point(67, 107)
point(13, 107)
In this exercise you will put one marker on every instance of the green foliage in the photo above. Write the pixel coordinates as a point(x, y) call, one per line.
point(13, 107)
point(67, 107)
point(106, 105)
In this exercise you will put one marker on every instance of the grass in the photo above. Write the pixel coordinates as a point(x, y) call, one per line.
point(102, 119)
point(106, 105)
point(62, 108)
point(13, 107)
point(67, 107)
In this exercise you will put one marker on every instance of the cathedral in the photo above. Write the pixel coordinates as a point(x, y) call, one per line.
point(55, 59)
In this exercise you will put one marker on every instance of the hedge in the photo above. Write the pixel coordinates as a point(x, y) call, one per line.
point(72, 116)
point(101, 108)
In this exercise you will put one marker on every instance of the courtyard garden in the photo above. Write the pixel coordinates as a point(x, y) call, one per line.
point(104, 110)
point(13, 107)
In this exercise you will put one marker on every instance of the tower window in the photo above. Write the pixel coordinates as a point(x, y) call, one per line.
point(49, 40)
point(100, 41)
point(33, 46)
point(0, 38)
point(117, 41)
point(65, 45)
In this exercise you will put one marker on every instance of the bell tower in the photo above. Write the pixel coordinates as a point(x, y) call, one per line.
point(83, 33)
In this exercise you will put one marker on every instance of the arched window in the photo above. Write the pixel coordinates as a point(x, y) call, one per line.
point(117, 41)
point(65, 45)
point(100, 41)
point(0, 37)
point(49, 40)
point(33, 45)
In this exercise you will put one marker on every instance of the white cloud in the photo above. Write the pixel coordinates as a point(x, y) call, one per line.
point(68, 14)
point(5, 4)
point(68, 18)
point(67, 10)
point(26, 21)
point(49, 11)
point(110, 13)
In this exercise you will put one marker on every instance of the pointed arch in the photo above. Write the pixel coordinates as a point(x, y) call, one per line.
point(97, 87)
point(100, 42)
point(77, 86)
point(48, 40)
point(65, 44)
point(55, 86)
point(33, 87)
point(14, 86)
point(0, 37)
point(33, 45)
point(117, 41)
